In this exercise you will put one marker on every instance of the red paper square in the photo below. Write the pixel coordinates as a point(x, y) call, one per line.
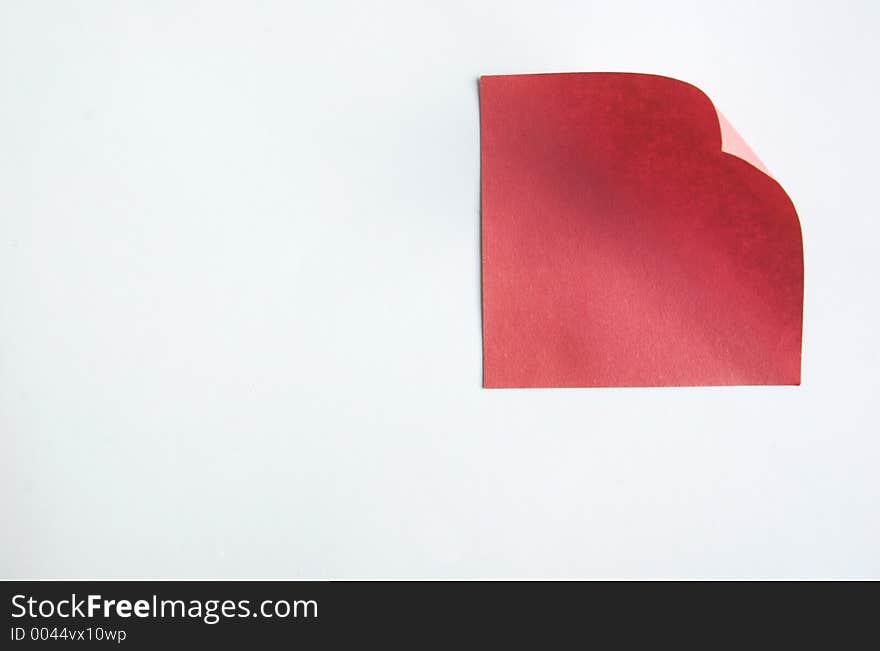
point(622, 246)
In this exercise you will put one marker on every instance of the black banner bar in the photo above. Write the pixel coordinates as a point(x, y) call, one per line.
point(145, 614)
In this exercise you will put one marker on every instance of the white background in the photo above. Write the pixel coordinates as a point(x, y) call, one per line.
point(240, 301)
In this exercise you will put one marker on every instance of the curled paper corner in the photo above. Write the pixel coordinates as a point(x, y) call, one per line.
point(624, 245)
point(734, 144)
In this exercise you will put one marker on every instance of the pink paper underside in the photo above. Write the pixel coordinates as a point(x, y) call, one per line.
point(733, 143)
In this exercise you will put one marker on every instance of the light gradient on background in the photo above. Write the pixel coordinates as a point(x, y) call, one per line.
point(240, 301)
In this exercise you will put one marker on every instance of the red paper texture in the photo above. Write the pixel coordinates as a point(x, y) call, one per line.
point(630, 237)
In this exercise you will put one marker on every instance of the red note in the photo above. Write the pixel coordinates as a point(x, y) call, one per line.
point(630, 238)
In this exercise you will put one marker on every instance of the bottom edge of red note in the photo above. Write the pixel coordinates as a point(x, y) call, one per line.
point(640, 386)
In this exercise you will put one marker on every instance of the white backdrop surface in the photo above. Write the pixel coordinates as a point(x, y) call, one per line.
point(240, 301)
